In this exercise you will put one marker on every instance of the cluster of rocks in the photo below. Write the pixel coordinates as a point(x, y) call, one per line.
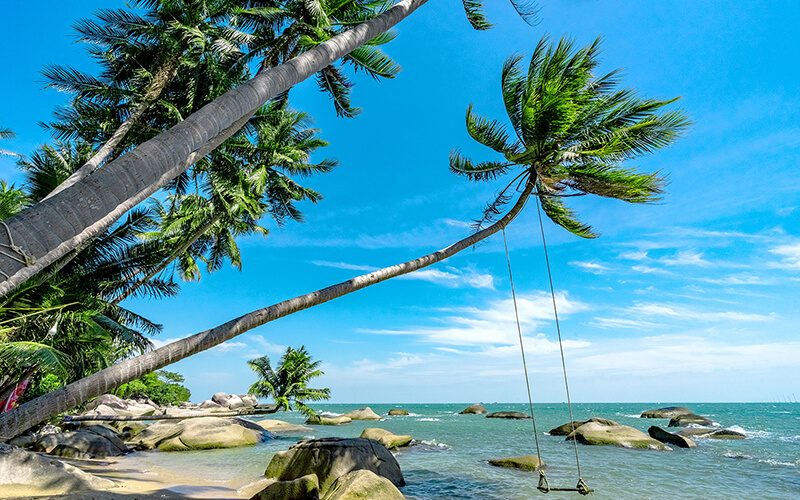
point(365, 413)
point(479, 409)
point(694, 425)
point(333, 469)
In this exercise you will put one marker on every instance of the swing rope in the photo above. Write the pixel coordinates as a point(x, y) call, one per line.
point(543, 486)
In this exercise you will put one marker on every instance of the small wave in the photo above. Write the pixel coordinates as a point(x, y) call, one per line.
point(428, 419)
point(629, 415)
point(329, 414)
point(434, 444)
point(749, 433)
point(790, 439)
point(778, 463)
point(738, 456)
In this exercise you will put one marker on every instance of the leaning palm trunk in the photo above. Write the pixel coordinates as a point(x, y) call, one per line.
point(50, 229)
point(61, 400)
point(161, 78)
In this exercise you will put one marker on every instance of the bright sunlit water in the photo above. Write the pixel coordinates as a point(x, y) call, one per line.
point(451, 461)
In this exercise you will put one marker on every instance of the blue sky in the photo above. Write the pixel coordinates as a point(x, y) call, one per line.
point(693, 299)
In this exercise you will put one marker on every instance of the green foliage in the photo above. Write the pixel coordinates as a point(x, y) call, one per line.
point(572, 132)
point(162, 387)
point(288, 384)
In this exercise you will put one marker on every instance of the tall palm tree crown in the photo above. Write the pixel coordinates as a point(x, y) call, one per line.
point(572, 131)
point(288, 384)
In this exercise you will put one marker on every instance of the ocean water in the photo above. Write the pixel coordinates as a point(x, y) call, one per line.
point(451, 461)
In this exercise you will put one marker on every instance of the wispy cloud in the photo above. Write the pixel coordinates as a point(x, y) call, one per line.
point(789, 254)
point(685, 258)
point(591, 267)
point(450, 277)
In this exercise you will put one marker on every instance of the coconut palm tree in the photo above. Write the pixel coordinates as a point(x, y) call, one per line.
point(574, 132)
point(287, 385)
point(53, 228)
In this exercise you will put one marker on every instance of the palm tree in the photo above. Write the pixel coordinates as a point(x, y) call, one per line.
point(55, 227)
point(288, 384)
point(574, 132)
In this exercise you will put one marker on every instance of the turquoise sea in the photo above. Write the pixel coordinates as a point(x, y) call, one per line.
point(450, 461)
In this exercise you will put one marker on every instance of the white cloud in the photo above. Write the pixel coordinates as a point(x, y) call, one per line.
point(618, 323)
point(492, 326)
point(790, 255)
point(650, 270)
point(686, 258)
point(738, 279)
point(634, 255)
point(672, 311)
point(451, 277)
point(591, 267)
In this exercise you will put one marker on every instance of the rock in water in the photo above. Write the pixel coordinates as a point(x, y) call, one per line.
point(199, 434)
point(526, 462)
point(514, 415)
point(669, 438)
point(363, 484)
point(397, 412)
point(363, 414)
point(594, 433)
point(476, 409)
point(696, 431)
point(302, 488)
point(25, 469)
point(565, 429)
point(281, 427)
point(320, 420)
point(725, 434)
point(691, 419)
point(332, 458)
point(385, 437)
point(666, 412)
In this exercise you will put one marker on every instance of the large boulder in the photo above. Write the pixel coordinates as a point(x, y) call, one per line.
point(476, 409)
point(690, 419)
point(109, 400)
point(565, 429)
point(281, 427)
point(696, 431)
point(94, 441)
point(249, 400)
point(397, 412)
point(526, 462)
point(320, 420)
point(363, 414)
point(513, 415)
point(666, 412)
point(332, 458)
point(362, 484)
point(199, 434)
point(725, 434)
point(665, 437)
point(208, 404)
point(594, 433)
point(302, 488)
point(386, 438)
point(230, 401)
point(26, 471)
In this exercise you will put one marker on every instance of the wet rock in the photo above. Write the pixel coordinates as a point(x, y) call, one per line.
point(660, 434)
point(691, 419)
point(331, 458)
point(476, 409)
point(303, 488)
point(593, 433)
point(386, 438)
point(281, 427)
point(725, 434)
point(363, 414)
point(514, 415)
point(666, 412)
point(526, 462)
point(363, 484)
point(397, 412)
point(320, 420)
point(199, 434)
point(565, 429)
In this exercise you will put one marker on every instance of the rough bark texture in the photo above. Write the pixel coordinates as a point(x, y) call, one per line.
point(104, 381)
point(48, 230)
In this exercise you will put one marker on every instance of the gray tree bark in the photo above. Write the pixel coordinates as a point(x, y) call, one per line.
point(69, 396)
point(50, 229)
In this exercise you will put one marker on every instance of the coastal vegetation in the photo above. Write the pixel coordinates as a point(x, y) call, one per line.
point(162, 387)
point(287, 384)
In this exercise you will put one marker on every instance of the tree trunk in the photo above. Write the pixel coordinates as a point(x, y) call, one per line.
point(48, 230)
point(174, 255)
point(161, 79)
point(69, 396)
